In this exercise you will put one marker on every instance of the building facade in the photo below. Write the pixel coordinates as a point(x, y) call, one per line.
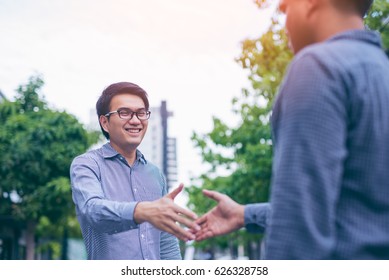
point(2, 96)
point(158, 147)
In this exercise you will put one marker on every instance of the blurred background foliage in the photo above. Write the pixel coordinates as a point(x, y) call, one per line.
point(37, 145)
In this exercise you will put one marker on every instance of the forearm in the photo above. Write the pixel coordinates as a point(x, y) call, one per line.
point(107, 216)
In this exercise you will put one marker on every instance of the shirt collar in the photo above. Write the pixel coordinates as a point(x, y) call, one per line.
point(109, 152)
point(370, 37)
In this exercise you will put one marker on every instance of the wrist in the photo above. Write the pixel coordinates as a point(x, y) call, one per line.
point(140, 212)
point(240, 216)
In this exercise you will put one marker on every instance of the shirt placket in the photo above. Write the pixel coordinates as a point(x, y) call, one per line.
point(142, 227)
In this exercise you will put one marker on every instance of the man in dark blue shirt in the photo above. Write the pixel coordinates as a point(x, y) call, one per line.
point(330, 123)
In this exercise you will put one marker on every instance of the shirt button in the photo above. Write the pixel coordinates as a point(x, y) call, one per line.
point(143, 236)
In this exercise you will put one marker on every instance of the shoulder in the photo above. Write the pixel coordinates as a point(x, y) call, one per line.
point(149, 169)
point(309, 72)
point(153, 170)
point(146, 163)
point(313, 86)
point(152, 166)
point(314, 59)
point(325, 66)
point(91, 157)
point(343, 53)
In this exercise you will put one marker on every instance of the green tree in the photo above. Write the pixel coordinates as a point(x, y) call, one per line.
point(245, 150)
point(37, 145)
point(378, 19)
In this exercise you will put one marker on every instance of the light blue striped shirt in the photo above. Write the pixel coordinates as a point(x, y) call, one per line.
point(105, 191)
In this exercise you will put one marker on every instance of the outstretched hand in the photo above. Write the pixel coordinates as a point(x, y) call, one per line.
point(224, 218)
point(165, 215)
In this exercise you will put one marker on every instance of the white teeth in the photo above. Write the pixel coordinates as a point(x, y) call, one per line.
point(134, 130)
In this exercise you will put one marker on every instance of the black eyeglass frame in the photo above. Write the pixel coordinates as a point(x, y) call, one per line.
point(130, 114)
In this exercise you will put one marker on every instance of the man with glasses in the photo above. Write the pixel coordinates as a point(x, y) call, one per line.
point(121, 198)
point(330, 123)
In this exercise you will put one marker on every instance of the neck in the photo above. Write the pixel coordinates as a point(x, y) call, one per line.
point(330, 24)
point(128, 154)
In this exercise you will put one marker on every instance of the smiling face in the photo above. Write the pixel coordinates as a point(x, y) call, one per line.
point(125, 135)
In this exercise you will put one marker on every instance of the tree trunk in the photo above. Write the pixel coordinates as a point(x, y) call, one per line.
point(30, 240)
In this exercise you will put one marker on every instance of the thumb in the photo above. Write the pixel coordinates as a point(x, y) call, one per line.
point(175, 192)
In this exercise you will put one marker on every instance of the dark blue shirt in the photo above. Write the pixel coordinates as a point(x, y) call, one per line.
point(330, 182)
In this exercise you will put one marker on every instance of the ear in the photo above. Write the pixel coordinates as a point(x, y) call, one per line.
point(312, 6)
point(104, 122)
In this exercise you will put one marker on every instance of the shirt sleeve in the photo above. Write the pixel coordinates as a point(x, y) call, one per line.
point(170, 249)
point(309, 124)
point(255, 217)
point(93, 208)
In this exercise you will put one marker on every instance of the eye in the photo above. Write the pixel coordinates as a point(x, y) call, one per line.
point(141, 114)
point(124, 112)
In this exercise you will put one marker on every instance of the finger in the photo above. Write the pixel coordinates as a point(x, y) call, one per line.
point(185, 212)
point(202, 219)
point(204, 228)
point(202, 235)
point(180, 233)
point(189, 224)
point(192, 231)
point(175, 192)
point(213, 195)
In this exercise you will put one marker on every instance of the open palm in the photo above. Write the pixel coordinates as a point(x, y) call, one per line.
point(224, 218)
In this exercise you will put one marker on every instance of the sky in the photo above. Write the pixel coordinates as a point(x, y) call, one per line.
point(179, 51)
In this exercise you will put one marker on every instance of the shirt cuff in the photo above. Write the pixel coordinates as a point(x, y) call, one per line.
point(255, 217)
point(128, 214)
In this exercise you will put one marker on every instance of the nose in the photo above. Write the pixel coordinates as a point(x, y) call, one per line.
point(134, 119)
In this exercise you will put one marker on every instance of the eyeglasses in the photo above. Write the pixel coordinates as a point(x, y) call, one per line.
point(127, 114)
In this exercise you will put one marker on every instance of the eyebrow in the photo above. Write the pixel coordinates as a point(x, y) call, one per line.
point(136, 110)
